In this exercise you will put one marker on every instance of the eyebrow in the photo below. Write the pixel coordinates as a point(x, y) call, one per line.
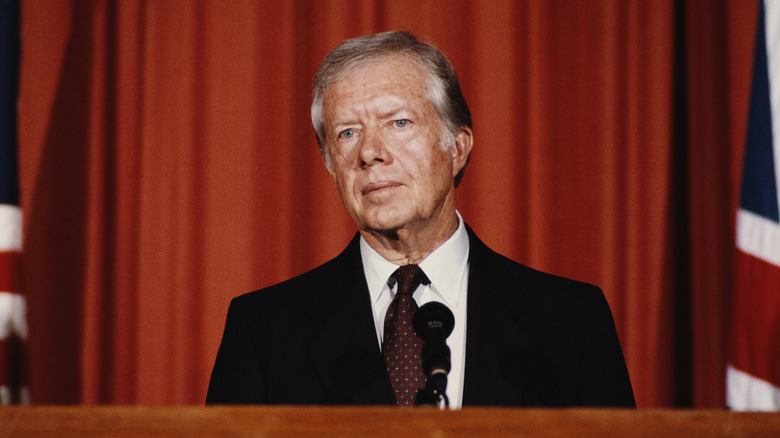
point(393, 111)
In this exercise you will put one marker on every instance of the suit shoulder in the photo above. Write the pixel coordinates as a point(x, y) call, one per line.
point(512, 281)
point(294, 288)
point(550, 281)
point(307, 286)
point(501, 265)
point(484, 259)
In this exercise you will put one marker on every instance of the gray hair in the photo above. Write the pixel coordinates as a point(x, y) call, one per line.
point(444, 90)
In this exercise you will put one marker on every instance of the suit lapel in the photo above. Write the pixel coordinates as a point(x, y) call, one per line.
point(501, 340)
point(345, 350)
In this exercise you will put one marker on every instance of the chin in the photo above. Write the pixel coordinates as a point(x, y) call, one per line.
point(384, 225)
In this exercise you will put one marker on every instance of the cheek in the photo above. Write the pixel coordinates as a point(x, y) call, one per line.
point(440, 164)
point(338, 156)
point(345, 184)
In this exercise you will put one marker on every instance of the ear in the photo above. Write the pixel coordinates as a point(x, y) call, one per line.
point(461, 152)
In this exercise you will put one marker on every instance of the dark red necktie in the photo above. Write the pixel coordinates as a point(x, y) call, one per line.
point(401, 346)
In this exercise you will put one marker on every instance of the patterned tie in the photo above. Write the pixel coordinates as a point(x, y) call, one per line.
point(401, 346)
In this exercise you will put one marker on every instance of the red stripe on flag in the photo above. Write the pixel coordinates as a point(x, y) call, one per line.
point(755, 320)
point(10, 271)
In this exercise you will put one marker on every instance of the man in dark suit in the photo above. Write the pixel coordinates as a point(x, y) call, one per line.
point(396, 134)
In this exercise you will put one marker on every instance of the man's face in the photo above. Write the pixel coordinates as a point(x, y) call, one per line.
point(384, 138)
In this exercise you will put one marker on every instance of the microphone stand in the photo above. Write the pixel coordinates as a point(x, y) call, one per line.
point(435, 392)
point(433, 322)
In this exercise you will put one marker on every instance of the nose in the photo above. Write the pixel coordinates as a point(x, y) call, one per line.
point(372, 149)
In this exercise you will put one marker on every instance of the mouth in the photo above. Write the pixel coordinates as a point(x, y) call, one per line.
point(379, 187)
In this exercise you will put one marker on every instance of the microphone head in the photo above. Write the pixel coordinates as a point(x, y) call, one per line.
point(433, 314)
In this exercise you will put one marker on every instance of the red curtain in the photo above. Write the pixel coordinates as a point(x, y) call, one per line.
point(168, 164)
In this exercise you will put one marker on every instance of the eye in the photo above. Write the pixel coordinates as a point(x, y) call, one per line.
point(347, 134)
point(402, 123)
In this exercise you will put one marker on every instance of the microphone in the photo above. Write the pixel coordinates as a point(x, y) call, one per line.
point(433, 322)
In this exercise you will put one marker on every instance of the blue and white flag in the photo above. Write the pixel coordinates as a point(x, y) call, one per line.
point(753, 374)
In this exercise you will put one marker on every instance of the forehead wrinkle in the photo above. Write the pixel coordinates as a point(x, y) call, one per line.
point(362, 94)
point(383, 106)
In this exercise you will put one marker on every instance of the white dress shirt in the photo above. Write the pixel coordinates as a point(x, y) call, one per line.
point(447, 269)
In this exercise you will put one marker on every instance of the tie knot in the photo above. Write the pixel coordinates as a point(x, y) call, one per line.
point(408, 278)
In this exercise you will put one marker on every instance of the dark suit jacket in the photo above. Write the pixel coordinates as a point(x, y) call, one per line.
point(533, 339)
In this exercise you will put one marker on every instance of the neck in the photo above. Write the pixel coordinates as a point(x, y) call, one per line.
point(411, 245)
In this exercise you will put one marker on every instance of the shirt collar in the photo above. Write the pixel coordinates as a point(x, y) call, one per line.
point(444, 267)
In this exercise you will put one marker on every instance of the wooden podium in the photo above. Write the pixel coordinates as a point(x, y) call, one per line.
point(268, 421)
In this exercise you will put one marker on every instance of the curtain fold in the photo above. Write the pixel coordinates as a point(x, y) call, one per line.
point(168, 164)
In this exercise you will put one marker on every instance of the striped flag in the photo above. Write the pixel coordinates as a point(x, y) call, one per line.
point(13, 325)
point(753, 374)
